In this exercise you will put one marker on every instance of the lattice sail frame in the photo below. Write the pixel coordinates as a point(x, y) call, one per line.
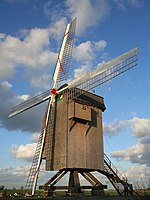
point(65, 54)
point(30, 103)
point(103, 73)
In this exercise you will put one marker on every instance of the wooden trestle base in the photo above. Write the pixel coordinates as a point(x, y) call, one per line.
point(74, 188)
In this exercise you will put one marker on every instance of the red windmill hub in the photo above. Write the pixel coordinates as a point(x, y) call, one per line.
point(54, 91)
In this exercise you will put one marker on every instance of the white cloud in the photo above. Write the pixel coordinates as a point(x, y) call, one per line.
point(87, 51)
point(114, 127)
point(120, 4)
point(35, 136)
point(2, 36)
point(14, 177)
point(21, 171)
point(23, 97)
point(138, 175)
point(100, 44)
point(81, 71)
point(85, 54)
point(17, 177)
point(89, 13)
point(6, 85)
point(135, 151)
point(138, 153)
point(32, 52)
point(58, 28)
point(53, 11)
point(4, 170)
point(124, 4)
point(104, 57)
point(140, 127)
point(25, 152)
point(41, 81)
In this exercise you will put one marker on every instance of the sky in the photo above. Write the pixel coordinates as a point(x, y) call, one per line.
point(31, 32)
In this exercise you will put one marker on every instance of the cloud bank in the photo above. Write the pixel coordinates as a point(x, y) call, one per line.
point(140, 129)
point(28, 121)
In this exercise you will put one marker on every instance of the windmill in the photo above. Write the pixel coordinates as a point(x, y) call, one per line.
point(73, 112)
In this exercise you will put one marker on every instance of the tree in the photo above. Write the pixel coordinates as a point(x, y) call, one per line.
point(21, 188)
point(2, 187)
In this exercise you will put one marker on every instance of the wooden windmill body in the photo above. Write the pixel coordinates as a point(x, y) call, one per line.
point(76, 138)
point(71, 139)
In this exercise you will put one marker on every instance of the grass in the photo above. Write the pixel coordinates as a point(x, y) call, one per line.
point(40, 193)
point(7, 192)
point(111, 193)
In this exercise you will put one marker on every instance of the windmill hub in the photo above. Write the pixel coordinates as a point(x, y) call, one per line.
point(54, 91)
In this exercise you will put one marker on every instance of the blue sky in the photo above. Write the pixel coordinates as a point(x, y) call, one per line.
point(30, 37)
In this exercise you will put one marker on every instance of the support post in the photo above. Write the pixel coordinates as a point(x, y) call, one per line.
point(74, 188)
point(74, 184)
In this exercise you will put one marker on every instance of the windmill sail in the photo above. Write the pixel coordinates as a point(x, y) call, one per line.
point(34, 170)
point(63, 63)
point(29, 103)
point(65, 54)
point(103, 73)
